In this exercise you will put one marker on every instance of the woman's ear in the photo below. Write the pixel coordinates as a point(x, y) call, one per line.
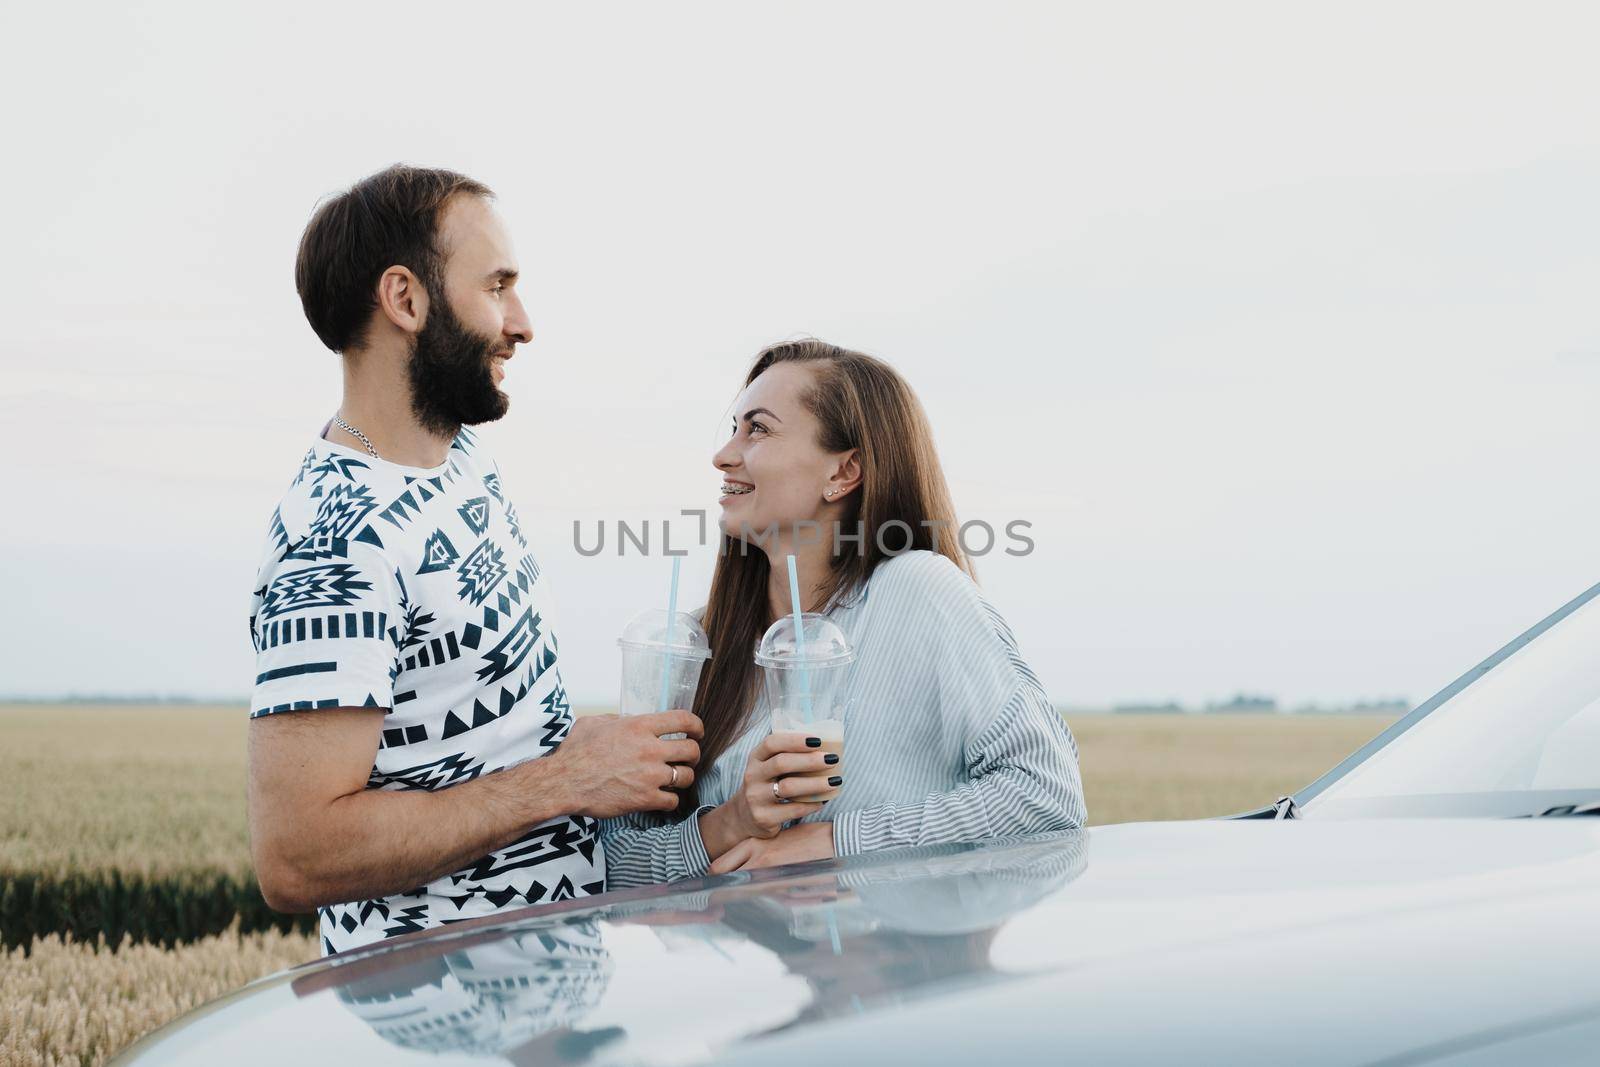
point(845, 478)
point(403, 299)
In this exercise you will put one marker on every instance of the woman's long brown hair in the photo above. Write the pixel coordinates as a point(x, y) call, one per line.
point(861, 403)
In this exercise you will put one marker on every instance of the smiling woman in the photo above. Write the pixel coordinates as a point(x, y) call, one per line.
point(832, 449)
point(831, 467)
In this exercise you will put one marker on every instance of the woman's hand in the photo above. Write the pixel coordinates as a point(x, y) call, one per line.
point(781, 767)
point(798, 844)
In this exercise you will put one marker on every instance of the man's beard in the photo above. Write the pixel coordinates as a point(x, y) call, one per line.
point(452, 381)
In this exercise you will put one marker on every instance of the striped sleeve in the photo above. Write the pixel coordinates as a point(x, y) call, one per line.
point(647, 849)
point(1019, 758)
point(326, 623)
point(1023, 779)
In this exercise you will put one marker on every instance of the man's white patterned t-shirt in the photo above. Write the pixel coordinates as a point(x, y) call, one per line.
point(414, 591)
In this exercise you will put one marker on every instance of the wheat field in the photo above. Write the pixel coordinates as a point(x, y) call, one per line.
point(69, 1002)
point(131, 819)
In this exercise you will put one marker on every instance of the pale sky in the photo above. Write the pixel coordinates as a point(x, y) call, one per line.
point(1277, 321)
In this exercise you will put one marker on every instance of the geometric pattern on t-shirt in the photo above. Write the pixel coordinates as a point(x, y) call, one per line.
point(511, 595)
point(438, 554)
point(516, 528)
point(329, 585)
point(481, 571)
point(475, 513)
point(365, 599)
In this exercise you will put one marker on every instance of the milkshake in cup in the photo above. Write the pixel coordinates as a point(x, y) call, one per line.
point(803, 679)
point(661, 660)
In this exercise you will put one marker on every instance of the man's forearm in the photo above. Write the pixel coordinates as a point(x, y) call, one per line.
point(375, 843)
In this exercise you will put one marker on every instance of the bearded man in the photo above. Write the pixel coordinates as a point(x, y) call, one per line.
point(413, 756)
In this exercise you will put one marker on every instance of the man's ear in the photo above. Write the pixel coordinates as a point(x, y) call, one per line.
point(403, 299)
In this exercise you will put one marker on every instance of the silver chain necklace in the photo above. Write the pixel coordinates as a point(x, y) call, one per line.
point(353, 432)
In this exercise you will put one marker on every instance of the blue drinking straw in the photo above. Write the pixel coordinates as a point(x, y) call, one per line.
point(672, 617)
point(799, 639)
point(805, 705)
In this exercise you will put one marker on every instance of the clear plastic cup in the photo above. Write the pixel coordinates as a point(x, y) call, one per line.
point(647, 655)
point(803, 681)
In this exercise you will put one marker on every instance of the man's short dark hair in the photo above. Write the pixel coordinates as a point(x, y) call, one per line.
point(388, 219)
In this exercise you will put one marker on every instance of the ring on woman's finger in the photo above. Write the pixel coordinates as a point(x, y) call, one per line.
point(674, 768)
point(779, 797)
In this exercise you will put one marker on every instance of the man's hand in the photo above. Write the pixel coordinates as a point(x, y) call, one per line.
point(612, 766)
point(798, 844)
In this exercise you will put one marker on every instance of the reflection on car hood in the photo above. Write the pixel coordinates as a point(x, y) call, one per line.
point(1456, 941)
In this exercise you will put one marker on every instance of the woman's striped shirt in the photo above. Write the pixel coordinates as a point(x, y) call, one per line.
point(948, 734)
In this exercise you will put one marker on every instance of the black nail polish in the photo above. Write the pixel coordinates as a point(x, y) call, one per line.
point(831, 758)
point(836, 781)
point(813, 742)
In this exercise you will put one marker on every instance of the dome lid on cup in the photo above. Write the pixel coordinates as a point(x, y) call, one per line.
point(648, 631)
point(825, 644)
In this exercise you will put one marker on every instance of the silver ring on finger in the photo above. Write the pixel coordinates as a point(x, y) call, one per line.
point(673, 767)
point(779, 797)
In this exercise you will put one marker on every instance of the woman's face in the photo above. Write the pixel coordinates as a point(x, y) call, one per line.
point(775, 473)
